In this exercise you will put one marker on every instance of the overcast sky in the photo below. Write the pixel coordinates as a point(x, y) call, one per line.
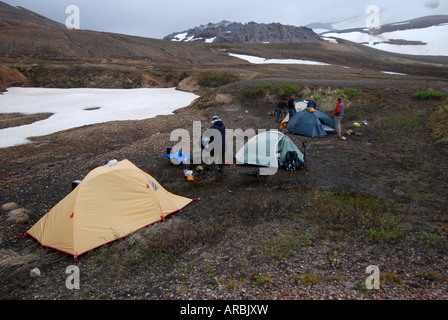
point(158, 18)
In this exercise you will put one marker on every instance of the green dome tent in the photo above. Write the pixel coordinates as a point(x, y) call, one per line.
point(267, 150)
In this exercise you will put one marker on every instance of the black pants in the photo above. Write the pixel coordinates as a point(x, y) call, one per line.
point(292, 112)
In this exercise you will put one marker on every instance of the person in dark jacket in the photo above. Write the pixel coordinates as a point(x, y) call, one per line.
point(280, 110)
point(291, 106)
point(312, 103)
point(208, 138)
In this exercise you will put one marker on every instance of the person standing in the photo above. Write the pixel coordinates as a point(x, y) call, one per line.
point(280, 110)
point(291, 106)
point(338, 115)
point(312, 103)
point(217, 152)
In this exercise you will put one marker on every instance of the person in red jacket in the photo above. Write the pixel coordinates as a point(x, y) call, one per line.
point(338, 115)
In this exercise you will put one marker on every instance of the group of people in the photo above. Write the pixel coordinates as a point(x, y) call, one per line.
point(288, 105)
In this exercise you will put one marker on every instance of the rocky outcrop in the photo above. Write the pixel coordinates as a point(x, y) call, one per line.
point(232, 32)
point(11, 77)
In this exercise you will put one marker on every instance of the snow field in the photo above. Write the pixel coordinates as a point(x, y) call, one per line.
point(74, 108)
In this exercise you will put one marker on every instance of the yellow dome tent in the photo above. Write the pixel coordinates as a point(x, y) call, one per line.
point(110, 203)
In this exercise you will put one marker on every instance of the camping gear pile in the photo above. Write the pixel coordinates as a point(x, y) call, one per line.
point(184, 160)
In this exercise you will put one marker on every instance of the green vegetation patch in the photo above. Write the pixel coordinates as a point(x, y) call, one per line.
point(282, 246)
point(434, 240)
point(214, 79)
point(402, 124)
point(283, 90)
point(260, 279)
point(349, 93)
point(409, 123)
point(390, 279)
point(427, 95)
point(438, 122)
point(433, 276)
point(153, 249)
point(308, 278)
point(355, 214)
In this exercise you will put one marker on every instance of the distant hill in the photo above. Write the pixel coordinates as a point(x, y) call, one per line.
point(12, 16)
point(233, 32)
point(25, 34)
point(37, 51)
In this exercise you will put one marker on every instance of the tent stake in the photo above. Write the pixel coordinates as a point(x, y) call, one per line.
point(304, 155)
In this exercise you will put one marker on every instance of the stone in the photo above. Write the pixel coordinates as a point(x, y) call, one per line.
point(19, 215)
point(35, 273)
point(10, 206)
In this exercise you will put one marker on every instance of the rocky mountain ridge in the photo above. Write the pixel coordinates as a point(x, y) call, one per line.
point(234, 32)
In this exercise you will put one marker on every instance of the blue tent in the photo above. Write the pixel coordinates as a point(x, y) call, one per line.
point(311, 123)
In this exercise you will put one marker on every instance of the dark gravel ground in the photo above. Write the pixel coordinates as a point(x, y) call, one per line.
point(268, 238)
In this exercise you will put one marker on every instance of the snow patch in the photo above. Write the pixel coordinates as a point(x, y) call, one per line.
point(73, 108)
point(258, 60)
point(180, 36)
point(394, 73)
point(431, 39)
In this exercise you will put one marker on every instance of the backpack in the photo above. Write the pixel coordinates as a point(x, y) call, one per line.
point(291, 161)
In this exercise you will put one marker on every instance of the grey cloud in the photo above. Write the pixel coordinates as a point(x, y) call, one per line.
point(157, 18)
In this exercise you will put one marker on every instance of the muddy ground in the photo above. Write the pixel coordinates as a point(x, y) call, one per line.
point(378, 198)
